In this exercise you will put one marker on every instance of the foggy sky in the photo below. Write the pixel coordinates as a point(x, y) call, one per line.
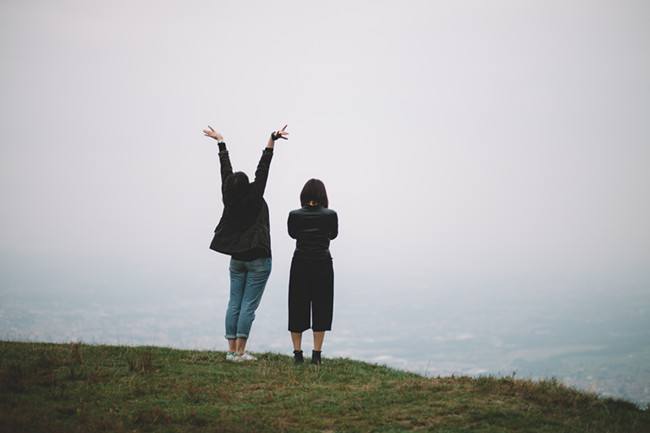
point(483, 138)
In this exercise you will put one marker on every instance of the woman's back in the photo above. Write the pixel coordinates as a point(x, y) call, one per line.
point(313, 227)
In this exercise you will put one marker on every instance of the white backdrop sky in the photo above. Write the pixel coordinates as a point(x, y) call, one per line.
point(483, 138)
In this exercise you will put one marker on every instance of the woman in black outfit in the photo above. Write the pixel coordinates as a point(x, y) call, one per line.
point(311, 280)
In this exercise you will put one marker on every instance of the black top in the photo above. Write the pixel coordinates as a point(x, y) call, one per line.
point(313, 227)
point(245, 235)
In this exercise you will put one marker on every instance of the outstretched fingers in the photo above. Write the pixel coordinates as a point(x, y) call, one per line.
point(282, 133)
point(212, 133)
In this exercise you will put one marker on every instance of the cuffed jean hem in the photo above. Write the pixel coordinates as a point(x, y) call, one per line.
point(232, 337)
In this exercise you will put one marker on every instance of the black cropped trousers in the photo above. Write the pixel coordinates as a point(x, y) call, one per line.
point(311, 294)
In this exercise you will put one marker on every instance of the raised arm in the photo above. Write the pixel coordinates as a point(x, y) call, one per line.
point(224, 158)
point(262, 171)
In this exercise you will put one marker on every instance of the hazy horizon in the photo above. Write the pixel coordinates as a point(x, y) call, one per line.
point(595, 338)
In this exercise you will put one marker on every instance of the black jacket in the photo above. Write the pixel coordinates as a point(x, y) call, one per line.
point(313, 227)
point(245, 237)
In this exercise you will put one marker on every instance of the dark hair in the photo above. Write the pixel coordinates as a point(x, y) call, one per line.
point(314, 190)
point(235, 190)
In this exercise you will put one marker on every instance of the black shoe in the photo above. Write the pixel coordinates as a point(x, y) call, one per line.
point(315, 357)
point(297, 357)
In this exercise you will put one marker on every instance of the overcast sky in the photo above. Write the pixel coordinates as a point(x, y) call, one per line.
point(483, 138)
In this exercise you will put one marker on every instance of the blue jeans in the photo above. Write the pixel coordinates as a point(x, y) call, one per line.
point(247, 284)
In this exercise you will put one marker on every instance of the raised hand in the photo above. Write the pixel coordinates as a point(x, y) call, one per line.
point(280, 134)
point(214, 134)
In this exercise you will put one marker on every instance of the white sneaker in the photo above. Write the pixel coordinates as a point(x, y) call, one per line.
point(232, 356)
point(247, 357)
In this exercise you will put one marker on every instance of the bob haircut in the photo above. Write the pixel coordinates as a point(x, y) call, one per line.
point(314, 190)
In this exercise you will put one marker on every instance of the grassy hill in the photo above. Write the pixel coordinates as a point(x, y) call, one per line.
point(83, 388)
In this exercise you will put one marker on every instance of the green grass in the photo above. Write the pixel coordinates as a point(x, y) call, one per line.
point(86, 388)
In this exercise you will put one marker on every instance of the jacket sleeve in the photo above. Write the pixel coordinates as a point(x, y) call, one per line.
point(334, 226)
point(262, 171)
point(226, 168)
point(291, 225)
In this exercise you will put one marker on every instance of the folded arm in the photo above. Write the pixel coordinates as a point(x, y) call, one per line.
point(334, 226)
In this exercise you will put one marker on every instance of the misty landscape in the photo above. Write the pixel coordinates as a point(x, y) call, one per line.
point(488, 163)
point(594, 339)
